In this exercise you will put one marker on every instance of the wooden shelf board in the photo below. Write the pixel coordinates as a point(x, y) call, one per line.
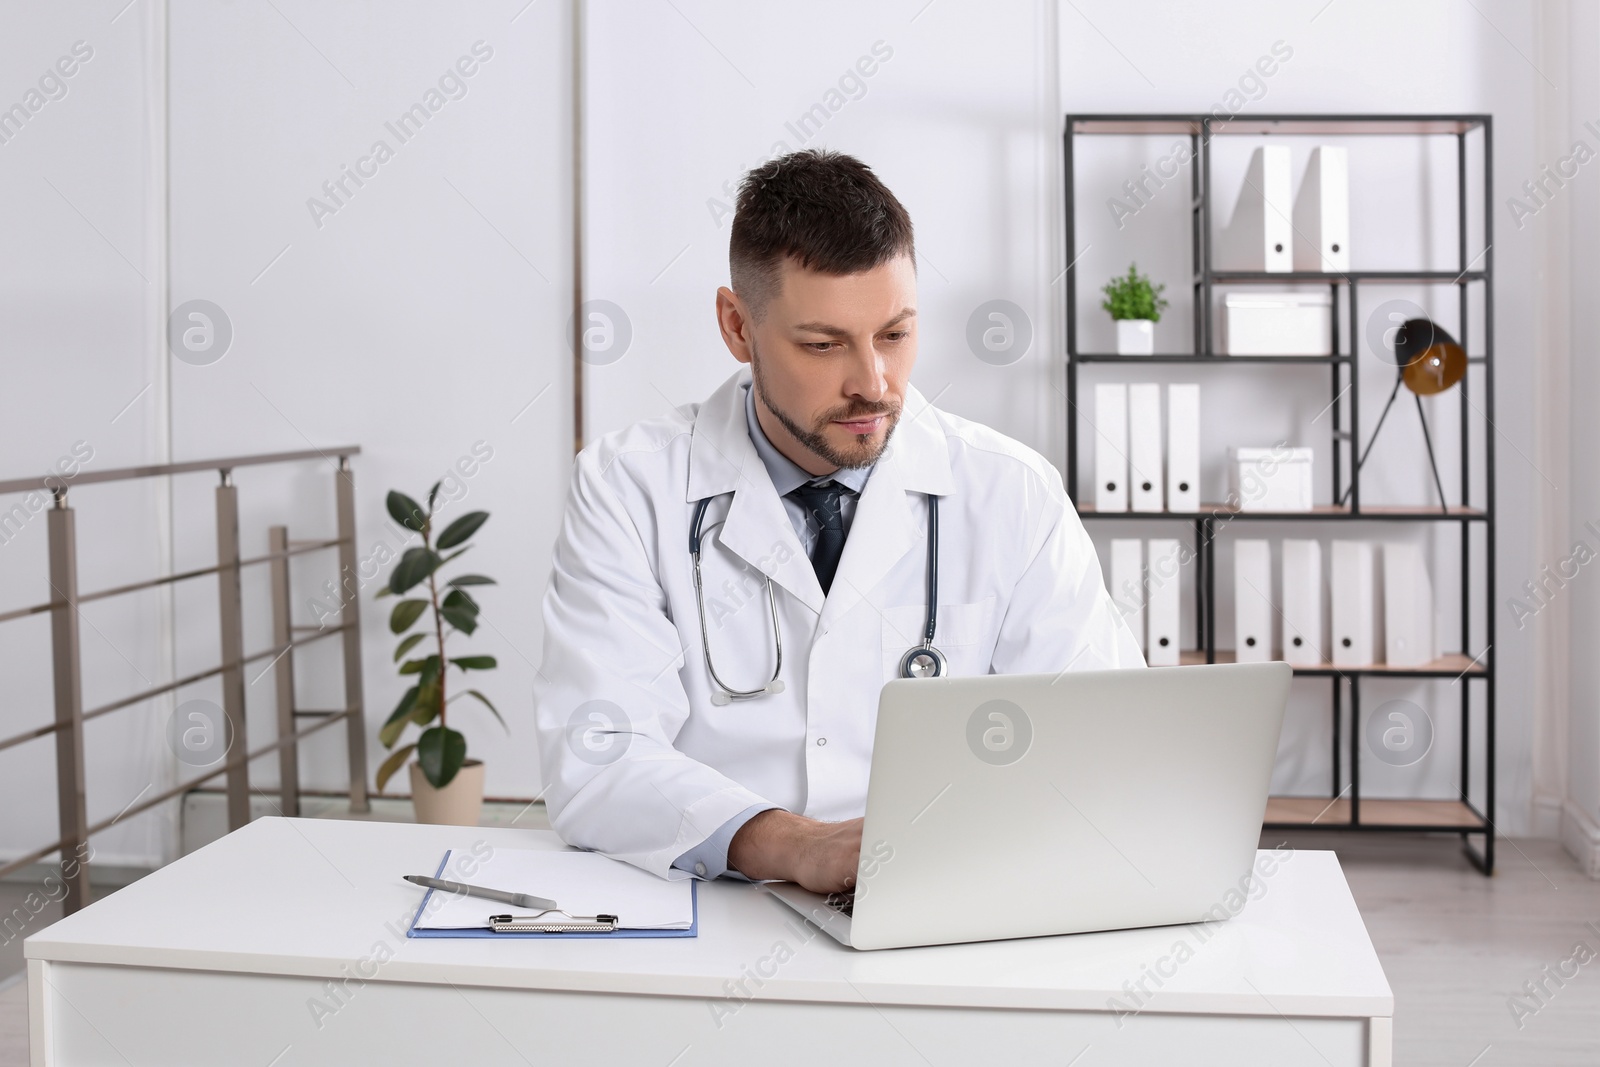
point(1322, 812)
point(1318, 125)
point(1377, 277)
point(1318, 511)
point(1451, 664)
point(1208, 358)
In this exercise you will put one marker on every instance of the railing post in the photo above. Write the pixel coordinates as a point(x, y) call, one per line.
point(231, 622)
point(283, 678)
point(74, 815)
point(350, 616)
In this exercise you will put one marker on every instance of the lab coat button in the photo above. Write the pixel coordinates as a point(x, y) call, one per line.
point(822, 740)
point(700, 869)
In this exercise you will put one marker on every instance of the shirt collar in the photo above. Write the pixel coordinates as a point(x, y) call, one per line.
point(786, 475)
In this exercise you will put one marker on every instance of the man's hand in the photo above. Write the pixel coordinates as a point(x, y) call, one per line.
point(819, 856)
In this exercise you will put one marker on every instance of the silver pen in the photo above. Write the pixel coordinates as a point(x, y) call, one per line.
point(521, 900)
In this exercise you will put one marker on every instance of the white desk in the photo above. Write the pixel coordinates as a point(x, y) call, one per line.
point(224, 956)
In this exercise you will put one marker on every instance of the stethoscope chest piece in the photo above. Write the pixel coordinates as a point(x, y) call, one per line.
point(923, 662)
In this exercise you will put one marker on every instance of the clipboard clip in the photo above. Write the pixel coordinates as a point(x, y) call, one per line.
point(537, 924)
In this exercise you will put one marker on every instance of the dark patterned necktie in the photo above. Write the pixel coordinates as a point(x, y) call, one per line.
point(822, 505)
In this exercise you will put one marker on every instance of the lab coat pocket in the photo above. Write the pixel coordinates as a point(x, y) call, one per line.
point(964, 633)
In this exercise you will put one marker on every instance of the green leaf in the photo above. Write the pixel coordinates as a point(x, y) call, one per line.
point(406, 512)
point(396, 760)
point(415, 565)
point(475, 663)
point(433, 493)
point(392, 727)
point(1133, 297)
point(460, 611)
point(406, 646)
point(441, 751)
point(419, 666)
point(405, 614)
point(459, 598)
point(487, 704)
point(426, 709)
point(385, 591)
point(471, 579)
point(453, 555)
point(462, 528)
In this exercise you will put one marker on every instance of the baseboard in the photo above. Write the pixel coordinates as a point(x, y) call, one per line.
point(1546, 817)
point(1580, 835)
point(101, 875)
point(205, 813)
point(203, 819)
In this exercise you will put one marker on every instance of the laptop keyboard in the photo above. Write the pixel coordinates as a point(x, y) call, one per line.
point(843, 903)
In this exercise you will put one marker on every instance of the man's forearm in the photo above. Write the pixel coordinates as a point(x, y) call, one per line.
point(778, 844)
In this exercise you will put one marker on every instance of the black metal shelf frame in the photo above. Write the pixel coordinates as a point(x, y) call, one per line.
point(1344, 375)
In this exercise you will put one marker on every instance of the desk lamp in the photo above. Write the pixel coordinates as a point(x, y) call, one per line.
point(1430, 361)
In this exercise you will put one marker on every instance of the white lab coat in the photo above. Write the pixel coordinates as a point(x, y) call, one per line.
point(639, 764)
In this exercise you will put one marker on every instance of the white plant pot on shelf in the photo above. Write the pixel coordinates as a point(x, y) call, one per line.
point(1136, 337)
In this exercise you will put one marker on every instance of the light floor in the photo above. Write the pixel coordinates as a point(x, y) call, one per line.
point(1456, 946)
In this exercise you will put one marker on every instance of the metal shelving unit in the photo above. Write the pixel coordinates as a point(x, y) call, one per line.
point(1345, 808)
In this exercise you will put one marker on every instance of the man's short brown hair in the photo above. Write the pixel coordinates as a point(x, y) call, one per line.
point(824, 209)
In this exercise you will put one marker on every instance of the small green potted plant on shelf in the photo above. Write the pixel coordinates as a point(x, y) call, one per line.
point(1136, 305)
point(446, 786)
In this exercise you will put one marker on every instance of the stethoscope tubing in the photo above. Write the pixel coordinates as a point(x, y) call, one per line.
point(931, 619)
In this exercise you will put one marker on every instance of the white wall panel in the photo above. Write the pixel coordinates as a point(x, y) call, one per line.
point(958, 117)
point(420, 319)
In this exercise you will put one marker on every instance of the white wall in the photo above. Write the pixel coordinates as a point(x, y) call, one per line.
point(958, 117)
point(425, 314)
point(1347, 57)
point(953, 122)
point(1571, 272)
point(81, 287)
point(420, 321)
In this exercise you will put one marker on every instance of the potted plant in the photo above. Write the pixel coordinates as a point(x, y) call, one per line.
point(1136, 306)
point(446, 786)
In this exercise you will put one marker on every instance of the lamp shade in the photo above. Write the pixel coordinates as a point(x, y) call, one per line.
point(1430, 359)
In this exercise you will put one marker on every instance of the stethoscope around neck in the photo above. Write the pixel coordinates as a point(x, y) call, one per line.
point(920, 661)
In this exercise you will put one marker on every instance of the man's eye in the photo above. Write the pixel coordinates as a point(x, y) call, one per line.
point(897, 335)
point(820, 346)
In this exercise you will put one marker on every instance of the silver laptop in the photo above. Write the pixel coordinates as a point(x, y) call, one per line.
point(1021, 805)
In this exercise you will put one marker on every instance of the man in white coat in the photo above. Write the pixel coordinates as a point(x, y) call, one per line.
point(816, 467)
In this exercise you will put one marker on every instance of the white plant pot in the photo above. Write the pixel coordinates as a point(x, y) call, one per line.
point(459, 803)
point(1136, 337)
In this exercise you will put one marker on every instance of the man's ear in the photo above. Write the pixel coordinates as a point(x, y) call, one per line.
point(733, 319)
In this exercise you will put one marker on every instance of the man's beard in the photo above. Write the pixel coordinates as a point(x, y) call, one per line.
point(864, 455)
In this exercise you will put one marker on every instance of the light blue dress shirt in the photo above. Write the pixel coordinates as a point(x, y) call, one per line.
point(709, 859)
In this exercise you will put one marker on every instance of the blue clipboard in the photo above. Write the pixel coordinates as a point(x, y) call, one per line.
point(412, 931)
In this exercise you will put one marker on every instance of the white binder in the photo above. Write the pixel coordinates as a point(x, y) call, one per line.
point(1301, 564)
point(1183, 447)
point(1322, 213)
point(1408, 633)
point(1111, 447)
point(1252, 600)
point(1144, 447)
point(1354, 595)
point(1162, 602)
point(1127, 583)
point(1260, 236)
